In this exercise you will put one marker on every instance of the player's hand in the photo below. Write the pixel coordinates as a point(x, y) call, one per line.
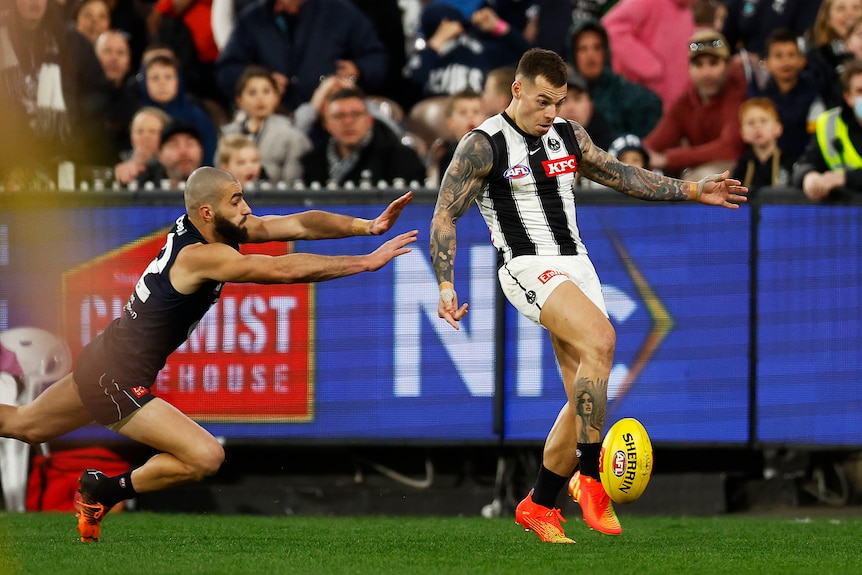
point(384, 222)
point(391, 249)
point(447, 308)
point(720, 190)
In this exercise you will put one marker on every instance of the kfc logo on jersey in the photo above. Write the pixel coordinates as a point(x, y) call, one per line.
point(546, 276)
point(139, 391)
point(560, 166)
point(517, 172)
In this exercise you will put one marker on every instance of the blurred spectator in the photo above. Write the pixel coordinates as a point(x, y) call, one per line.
point(832, 162)
point(497, 92)
point(92, 18)
point(114, 54)
point(853, 40)
point(240, 157)
point(828, 52)
point(750, 22)
point(459, 52)
point(630, 150)
point(463, 113)
point(709, 14)
point(646, 36)
point(180, 153)
point(302, 42)
point(145, 136)
point(763, 162)
point(360, 149)
point(791, 89)
point(186, 26)
point(52, 89)
point(280, 145)
point(578, 106)
point(162, 87)
point(627, 107)
point(553, 19)
point(700, 133)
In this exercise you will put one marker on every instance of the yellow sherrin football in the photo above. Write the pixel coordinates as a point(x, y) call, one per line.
point(625, 462)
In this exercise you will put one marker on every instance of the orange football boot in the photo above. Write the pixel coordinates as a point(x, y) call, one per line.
point(90, 512)
point(543, 521)
point(595, 504)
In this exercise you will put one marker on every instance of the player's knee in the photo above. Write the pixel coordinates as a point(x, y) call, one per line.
point(602, 346)
point(206, 462)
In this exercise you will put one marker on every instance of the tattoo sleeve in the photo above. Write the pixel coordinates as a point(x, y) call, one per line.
point(602, 168)
point(462, 183)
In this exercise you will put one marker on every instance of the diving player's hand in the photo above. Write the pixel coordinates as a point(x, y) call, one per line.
point(390, 250)
point(448, 309)
point(382, 223)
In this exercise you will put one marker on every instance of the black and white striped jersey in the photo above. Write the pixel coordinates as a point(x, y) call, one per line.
point(529, 197)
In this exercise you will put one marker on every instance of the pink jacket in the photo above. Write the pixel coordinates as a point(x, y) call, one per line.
point(649, 44)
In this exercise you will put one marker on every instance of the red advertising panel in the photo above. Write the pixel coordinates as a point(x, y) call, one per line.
point(250, 357)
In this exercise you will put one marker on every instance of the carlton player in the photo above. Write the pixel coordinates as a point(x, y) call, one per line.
point(519, 167)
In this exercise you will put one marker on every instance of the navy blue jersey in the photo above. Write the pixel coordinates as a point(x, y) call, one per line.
point(157, 319)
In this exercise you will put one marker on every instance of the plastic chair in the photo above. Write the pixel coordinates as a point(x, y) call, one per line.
point(44, 358)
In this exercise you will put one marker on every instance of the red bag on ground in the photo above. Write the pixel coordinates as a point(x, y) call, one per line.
point(54, 478)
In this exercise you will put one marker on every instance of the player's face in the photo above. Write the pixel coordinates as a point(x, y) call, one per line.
point(258, 98)
point(232, 214)
point(758, 127)
point(708, 74)
point(536, 104)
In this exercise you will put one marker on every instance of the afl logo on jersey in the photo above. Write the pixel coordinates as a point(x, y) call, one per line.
point(516, 172)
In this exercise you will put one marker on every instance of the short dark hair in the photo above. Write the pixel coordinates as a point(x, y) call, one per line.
point(466, 94)
point(540, 62)
point(781, 36)
point(346, 93)
point(250, 73)
point(852, 67)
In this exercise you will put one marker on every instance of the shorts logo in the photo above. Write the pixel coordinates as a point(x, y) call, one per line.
point(560, 166)
point(554, 145)
point(139, 391)
point(517, 172)
point(546, 276)
point(531, 297)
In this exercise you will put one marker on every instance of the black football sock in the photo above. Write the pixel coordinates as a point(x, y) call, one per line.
point(548, 485)
point(589, 459)
point(112, 490)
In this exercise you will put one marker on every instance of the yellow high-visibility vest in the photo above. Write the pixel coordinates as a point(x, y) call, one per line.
point(833, 137)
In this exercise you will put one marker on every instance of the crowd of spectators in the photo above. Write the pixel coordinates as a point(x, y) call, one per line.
point(321, 92)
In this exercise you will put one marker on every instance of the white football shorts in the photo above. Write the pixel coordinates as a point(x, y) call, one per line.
point(528, 281)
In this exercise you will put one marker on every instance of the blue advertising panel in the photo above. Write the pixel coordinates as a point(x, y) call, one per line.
point(676, 282)
point(809, 369)
point(381, 365)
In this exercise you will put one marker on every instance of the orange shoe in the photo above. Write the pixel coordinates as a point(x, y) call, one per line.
point(543, 521)
point(90, 512)
point(595, 504)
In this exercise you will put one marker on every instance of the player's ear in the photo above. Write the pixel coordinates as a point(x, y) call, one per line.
point(206, 212)
point(517, 86)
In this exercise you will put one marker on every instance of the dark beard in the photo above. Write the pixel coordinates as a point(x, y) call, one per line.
point(230, 231)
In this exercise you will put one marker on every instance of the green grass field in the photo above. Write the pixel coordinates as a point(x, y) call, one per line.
point(154, 544)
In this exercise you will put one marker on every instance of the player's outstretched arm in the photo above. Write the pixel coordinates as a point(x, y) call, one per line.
point(461, 185)
point(320, 225)
point(196, 264)
point(601, 167)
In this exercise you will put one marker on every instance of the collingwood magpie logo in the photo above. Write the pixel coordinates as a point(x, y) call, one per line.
point(554, 145)
point(531, 297)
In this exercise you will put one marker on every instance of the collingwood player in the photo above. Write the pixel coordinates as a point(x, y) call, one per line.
point(519, 167)
point(111, 381)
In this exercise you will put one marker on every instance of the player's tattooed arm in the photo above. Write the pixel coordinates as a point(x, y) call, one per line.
point(599, 166)
point(591, 407)
point(462, 183)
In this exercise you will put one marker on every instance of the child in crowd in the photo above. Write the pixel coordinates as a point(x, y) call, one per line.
point(792, 89)
point(280, 144)
point(463, 113)
point(629, 150)
point(239, 156)
point(161, 86)
point(145, 134)
point(762, 164)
